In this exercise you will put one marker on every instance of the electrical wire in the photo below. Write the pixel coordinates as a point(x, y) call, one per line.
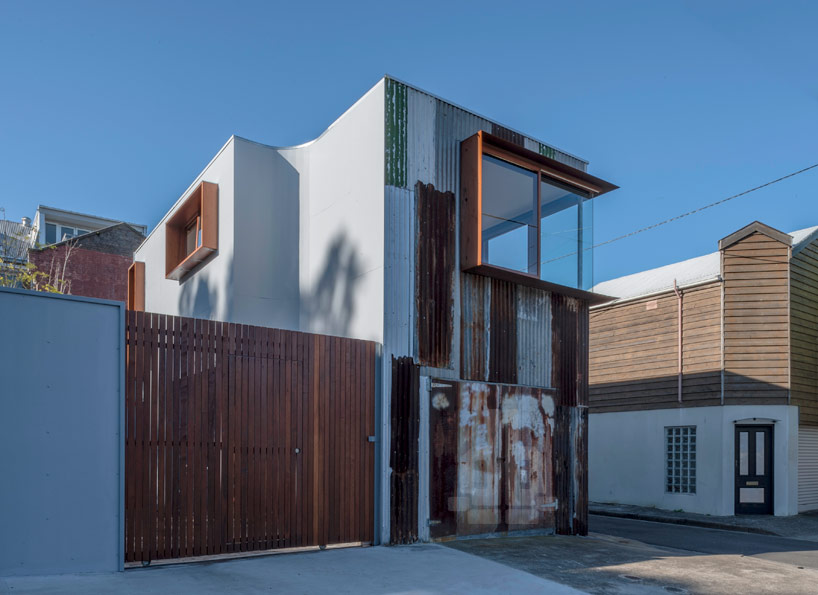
point(693, 212)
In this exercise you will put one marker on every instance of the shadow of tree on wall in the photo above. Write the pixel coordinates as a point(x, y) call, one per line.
point(201, 297)
point(330, 306)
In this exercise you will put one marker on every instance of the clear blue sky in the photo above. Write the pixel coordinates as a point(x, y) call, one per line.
point(113, 108)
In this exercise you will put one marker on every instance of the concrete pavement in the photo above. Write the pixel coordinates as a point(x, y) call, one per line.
point(417, 569)
point(633, 557)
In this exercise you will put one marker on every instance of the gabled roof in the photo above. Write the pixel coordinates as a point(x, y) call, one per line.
point(755, 227)
point(695, 270)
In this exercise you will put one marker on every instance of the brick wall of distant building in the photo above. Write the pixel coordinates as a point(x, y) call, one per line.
point(92, 274)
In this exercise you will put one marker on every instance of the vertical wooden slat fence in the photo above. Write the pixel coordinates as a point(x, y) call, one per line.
point(242, 438)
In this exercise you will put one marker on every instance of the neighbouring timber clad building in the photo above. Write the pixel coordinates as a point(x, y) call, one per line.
point(459, 245)
point(704, 380)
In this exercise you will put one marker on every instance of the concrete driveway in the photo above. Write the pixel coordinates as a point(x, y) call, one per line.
point(416, 569)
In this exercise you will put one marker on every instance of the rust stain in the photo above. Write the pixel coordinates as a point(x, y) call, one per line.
point(505, 479)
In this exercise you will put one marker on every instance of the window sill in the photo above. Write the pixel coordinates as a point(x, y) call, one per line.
point(485, 270)
point(190, 262)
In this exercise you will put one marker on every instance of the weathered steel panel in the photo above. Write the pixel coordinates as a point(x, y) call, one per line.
point(533, 337)
point(492, 459)
point(405, 413)
point(434, 275)
point(506, 134)
point(503, 340)
point(420, 141)
point(399, 271)
point(478, 473)
point(570, 379)
point(475, 332)
point(443, 468)
point(528, 426)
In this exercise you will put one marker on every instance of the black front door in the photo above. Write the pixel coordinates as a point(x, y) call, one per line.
point(754, 470)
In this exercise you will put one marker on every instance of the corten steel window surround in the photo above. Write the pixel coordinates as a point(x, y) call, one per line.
point(191, 234)
point(547, 170)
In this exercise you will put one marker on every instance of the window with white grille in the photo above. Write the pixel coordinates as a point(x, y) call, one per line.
point(680, 461)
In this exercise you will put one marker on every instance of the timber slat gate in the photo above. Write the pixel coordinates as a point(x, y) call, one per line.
point(242, 438)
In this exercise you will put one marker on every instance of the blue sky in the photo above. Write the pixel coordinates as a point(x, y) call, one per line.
point(113, 108)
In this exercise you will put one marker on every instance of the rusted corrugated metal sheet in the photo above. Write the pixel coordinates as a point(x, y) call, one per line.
point(444, 422)
point(506, 134)
point(505, 332)
point(404, 451)
point(474, 326)
point(492, 459)
point(503, 339)
point(570, 379)
point(434, 275)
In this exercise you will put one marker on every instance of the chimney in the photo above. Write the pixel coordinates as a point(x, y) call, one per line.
point(26, 221)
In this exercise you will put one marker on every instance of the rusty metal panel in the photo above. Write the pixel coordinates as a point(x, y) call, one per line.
point(405, 414)
point(533, 337)
point(503, 337)
point(474, 326)
point(492, 459)
point(506, 134)
point(434, 275)
point(444, 421)
point(580, 461)
point(570, 378)
point(565, 349)
point(528, 426)
point(478, 472)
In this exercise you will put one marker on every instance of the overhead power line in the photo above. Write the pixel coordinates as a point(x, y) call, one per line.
point(693, 212)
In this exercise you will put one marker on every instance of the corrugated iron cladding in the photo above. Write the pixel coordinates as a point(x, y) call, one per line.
point(399, 276)
point(491, 459)
point(570, 373)
point(505, 332)
point(506, 134)
point(533, 332)
point(434, 275)
point(404, 450)
point(503, 338)
point(452, 125)
point(475, 296)
point(569, 350)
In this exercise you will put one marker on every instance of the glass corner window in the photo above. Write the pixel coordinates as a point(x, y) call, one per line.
point(566, 236)
point(508, 224)
point(554, 246)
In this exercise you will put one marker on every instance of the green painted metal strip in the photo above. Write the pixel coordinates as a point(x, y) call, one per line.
point(547, 151)
point(395, 145)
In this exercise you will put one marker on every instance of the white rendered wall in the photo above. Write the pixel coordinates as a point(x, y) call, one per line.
point(301, 234)
point(342, 255)
point(207, 292)
point(626, 457)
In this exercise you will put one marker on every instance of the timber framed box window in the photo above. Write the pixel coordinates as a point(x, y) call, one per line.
point(191, 233)
point(680, 459)
point(526, 214)
point(136, 286)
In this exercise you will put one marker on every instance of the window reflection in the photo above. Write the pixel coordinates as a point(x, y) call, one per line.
point(509, 228)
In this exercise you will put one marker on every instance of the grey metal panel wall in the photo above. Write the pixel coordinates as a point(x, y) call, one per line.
point(61, 416)
point(533, 337)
